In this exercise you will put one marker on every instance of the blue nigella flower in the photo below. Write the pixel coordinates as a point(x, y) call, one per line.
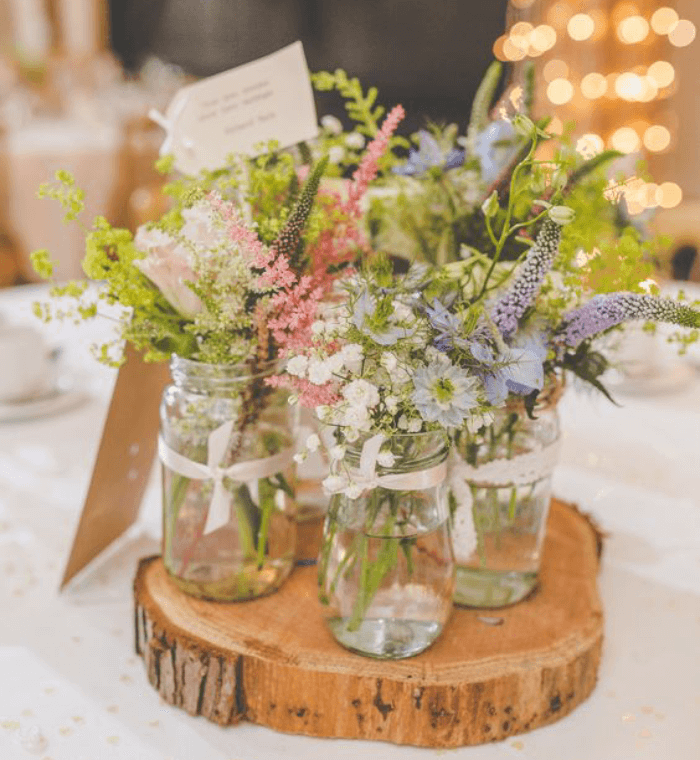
point(495, 147)
point(428, 155)
point(364, 310)
point(444, 393)
point(448, 325)
point(516, 369)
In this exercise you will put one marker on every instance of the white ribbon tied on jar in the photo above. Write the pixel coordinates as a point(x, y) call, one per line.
point(366, 476)
point(247, 473)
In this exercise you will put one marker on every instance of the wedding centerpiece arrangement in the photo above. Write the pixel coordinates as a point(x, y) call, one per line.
point(229, 275)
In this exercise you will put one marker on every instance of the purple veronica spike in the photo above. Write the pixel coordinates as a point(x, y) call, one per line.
point(605, 311)
point(511, 306)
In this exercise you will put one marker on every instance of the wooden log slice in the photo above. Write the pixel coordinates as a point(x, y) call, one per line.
point(273, 662)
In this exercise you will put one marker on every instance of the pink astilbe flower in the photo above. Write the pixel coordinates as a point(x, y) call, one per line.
point(294, 312)
point(367, 170)
point(310, 395)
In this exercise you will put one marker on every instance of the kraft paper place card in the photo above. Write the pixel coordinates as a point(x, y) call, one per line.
point(124, 461)
point(232, 112)
point(268, 99)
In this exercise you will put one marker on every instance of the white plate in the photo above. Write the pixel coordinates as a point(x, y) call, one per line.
point(53, 402)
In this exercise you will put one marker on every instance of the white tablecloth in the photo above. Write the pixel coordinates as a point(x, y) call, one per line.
point(67, 662)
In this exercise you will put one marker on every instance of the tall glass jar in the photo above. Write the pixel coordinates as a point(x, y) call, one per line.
point(226, 448)
point(500, 482)
point(386, 571)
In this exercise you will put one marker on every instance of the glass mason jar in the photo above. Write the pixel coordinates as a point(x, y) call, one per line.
point(501, 482)
point(226, 448)
point(386, 571)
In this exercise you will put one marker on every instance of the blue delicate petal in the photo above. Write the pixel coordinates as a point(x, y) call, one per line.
point(494, 156)
point(454, 159)
point(496, 388)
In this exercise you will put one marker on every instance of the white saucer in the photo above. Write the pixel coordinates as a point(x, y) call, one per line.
point(54, 401)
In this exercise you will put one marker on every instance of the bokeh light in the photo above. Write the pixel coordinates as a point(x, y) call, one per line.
point(560, 91)
point(543, 38)
point(555, 69)
point(628, 86)
point(663, 20)
point(682, 34)
point(580, 27)
point(590, 145)
point(657, 138)
point(669, 195)
point(594, 85)
point(633, 29)
point(662, 72)
point(625, 139)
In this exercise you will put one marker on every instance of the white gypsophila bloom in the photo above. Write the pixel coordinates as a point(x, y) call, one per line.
point(336, 153)
point(334, 483)
point(356, 417)
point(335, 362)
point(361, 393)
point(353, 491)
point(351, 435)
point(400, 377)
point(414, 426)
point(300, 457)
point(336, 453)
point(318, 327)
point(297, 365)
point(352, 356)
point(332, 124)
point(402, 423)
point(319, 372)
point(322, 412)
point(355, 140)
point(313, 442)
point(392, 404)
point(386, 459)
point(389, 361)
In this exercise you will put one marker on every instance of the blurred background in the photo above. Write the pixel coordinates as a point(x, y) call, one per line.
point(77, 78)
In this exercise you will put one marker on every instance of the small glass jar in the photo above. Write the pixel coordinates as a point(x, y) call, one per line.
point(500, 504)
point(386, 571)
point(226, 447)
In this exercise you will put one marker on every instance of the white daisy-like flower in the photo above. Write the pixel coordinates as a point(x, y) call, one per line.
point(444, 393)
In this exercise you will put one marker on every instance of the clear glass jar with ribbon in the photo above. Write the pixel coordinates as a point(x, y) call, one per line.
point(226, 448)
point(500, 481)
point(386, 571)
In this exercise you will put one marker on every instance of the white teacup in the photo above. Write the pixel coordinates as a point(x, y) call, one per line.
point(26, 366)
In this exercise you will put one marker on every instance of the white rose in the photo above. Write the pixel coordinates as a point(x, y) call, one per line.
point(319, 372)
point(355, 140)
point(360, 392)
point(297, 365)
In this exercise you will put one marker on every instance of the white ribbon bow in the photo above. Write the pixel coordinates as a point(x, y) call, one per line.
point(242, 472)
point(169, 122)
point(366, 476)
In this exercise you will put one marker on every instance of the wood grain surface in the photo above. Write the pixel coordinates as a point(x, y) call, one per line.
point(272, 661)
